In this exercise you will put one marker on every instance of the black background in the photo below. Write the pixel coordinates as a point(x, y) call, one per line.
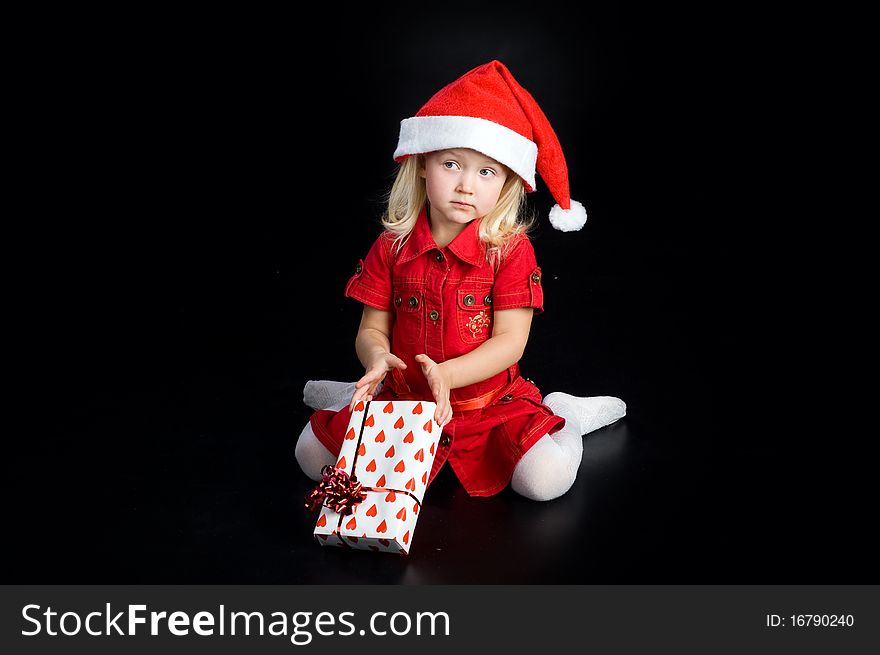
point(200, 188)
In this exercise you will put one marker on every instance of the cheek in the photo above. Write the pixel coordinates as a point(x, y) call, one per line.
point(494, 192)
point(436, 183)
point(430, 186)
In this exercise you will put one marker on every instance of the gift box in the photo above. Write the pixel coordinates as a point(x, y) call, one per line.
point(371, 499)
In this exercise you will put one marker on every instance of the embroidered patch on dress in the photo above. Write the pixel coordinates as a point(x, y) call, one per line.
point(477, 323)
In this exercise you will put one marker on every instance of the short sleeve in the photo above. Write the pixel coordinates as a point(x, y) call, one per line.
point(518, 279)
point(371, 282)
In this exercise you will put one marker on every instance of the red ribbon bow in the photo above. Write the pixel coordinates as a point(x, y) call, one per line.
point(337, 490)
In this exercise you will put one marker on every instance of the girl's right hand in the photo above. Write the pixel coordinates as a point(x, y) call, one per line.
point(375, 373)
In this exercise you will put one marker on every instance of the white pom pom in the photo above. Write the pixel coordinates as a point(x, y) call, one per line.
point(568, 220)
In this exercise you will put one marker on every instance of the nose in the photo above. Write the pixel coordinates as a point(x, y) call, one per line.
point(465, 183)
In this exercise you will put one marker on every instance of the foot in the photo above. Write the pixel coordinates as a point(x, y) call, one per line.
point(324, 394)
point(588, 414)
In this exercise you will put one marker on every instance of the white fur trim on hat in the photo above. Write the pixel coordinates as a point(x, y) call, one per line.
point(568, 220)
point(422, 134)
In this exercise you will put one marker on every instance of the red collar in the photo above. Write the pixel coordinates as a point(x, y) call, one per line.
point(466, 246)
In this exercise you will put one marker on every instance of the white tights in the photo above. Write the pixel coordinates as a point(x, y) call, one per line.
point(546, 471)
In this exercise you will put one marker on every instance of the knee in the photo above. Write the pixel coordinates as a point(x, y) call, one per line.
point(542, 476)
point(311, 455)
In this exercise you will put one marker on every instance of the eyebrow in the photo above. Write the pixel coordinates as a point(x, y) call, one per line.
point(457, 153)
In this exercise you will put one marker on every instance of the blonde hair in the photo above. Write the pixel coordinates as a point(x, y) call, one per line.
point(408, 195)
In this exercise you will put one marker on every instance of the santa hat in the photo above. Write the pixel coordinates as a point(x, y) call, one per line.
point(487, 110)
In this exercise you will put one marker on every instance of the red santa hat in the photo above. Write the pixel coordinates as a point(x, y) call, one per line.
point(487, 110)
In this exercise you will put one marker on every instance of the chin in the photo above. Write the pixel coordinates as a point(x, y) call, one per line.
point(458, 214)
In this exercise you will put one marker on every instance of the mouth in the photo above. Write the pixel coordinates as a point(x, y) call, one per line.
point(461, 204)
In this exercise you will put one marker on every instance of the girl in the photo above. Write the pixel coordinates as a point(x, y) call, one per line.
point(449, 291)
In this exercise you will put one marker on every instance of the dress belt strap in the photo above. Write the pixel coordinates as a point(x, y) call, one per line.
point(402, 390)
point(477, 403)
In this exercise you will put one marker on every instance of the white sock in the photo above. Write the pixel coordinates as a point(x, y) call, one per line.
point(587, 413)
point(328, 394)
point(311, 455)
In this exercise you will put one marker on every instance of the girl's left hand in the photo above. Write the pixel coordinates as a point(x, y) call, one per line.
point(439, 385)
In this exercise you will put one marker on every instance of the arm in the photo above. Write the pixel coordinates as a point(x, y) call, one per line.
point(374, 334)
point(504, 348)
point(373, 347)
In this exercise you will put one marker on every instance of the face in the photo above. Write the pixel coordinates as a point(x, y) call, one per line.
point(462, 185)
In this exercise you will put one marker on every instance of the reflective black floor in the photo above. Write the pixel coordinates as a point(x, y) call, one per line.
point(178, 468)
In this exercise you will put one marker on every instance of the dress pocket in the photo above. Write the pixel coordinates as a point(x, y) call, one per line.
point(409, 310)
point(474, 314)
point(520, 389)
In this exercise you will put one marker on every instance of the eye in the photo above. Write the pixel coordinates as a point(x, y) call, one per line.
point(449, 167)
point(487, 171)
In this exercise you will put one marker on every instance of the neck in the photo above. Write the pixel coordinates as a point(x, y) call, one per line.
point(445, 235)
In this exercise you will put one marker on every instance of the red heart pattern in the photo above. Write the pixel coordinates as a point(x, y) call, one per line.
point(375, 529)
point(359, 407)
point(403, 463)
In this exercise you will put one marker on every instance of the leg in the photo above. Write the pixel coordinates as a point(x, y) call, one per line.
point(546, 471)
point(311, 454)
point(550, 467)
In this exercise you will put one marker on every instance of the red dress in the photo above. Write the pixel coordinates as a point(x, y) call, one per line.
point(443, 301)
